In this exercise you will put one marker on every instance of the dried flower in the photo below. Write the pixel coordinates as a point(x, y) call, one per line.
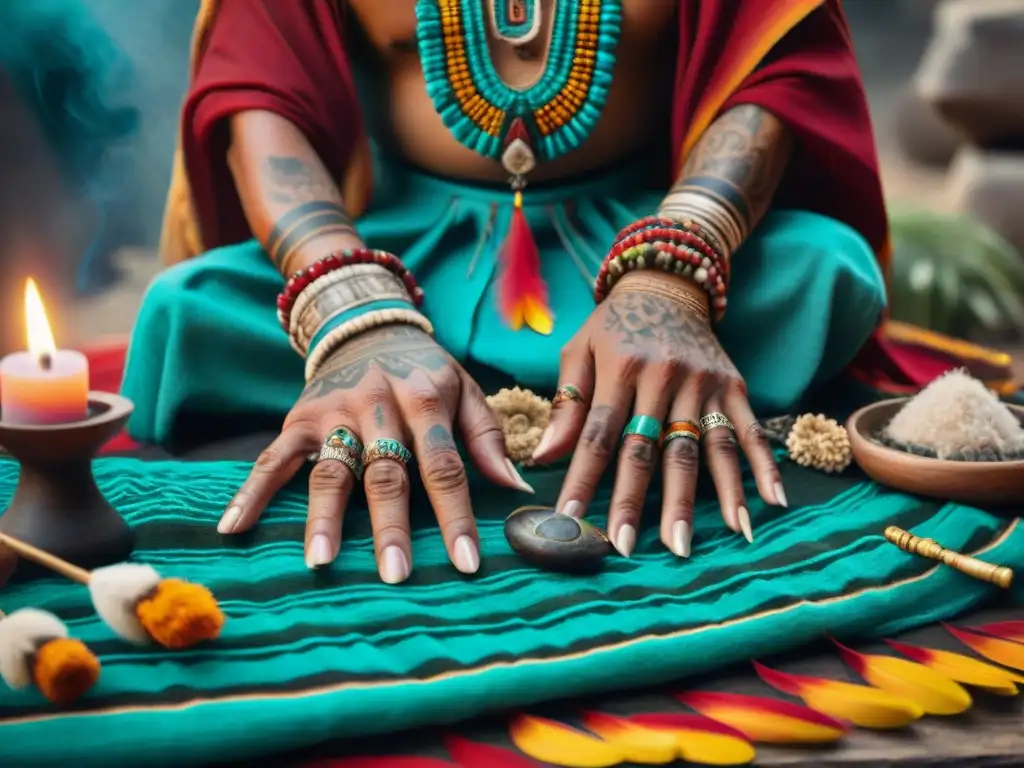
point(819, 442)
point(523, 416)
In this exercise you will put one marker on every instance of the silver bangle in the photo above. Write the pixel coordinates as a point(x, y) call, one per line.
point(339, 291)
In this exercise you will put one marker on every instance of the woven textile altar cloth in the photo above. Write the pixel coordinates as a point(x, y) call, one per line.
point(310, 656)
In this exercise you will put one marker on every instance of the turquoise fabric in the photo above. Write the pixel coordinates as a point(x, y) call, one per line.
point(310, 656)
point(806, 293)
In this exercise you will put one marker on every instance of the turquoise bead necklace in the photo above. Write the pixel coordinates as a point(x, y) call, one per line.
point(517, 127)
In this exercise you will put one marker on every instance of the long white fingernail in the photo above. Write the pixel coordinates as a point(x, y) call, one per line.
point(780, 494)
point(229, 520)
point(744, 517)
point(626, 540)
point(682, 534)
point(573, 509)
point(394, 565)
point(320, 551)
point(466, 555)
point(545, 441)
point(516, 478)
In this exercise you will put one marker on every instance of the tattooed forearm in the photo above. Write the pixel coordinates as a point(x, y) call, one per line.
point(313, 207)
point(398, 351)
point(735, 169)
point(291, 200)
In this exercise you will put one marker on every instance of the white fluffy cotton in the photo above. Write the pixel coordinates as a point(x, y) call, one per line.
point(116, 590)
point(21, 634)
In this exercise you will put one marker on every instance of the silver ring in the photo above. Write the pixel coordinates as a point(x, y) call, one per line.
point(715, 420)
point(345, 456)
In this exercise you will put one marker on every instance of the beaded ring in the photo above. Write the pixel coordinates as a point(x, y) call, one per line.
point(386, 448)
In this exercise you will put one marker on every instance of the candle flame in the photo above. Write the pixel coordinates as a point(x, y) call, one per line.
point(40, 336)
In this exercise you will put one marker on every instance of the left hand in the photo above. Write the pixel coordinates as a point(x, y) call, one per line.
point(643, 352)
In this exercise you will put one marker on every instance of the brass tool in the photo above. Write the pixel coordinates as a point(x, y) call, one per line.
point(999, 575)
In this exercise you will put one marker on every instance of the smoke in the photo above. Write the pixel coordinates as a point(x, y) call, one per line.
point(90, 92)
point(154, 37)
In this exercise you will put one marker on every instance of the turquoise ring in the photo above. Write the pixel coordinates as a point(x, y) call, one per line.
point(646, 427)
point(342, 445)
point(386, 448)
point(341, 437)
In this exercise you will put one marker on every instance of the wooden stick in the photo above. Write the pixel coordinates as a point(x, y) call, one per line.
point(45, 559)
point(999, 575)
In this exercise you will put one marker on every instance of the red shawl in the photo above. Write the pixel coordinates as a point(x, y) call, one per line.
point(793, 57)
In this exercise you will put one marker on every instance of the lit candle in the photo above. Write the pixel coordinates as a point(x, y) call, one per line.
point(45, 385)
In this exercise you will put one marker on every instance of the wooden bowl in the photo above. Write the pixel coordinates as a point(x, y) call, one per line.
point(977, 483)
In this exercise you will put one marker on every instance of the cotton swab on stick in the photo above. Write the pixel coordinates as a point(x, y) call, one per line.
point(136, 603)
point(35, 648)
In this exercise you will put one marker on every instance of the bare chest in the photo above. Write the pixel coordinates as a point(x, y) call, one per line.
point(391, 29)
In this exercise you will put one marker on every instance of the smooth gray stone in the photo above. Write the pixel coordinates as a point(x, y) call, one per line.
point(972, 72)
point(989, 186)
point(556, 542)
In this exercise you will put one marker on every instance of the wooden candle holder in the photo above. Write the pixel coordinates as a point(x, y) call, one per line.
point(57, 506)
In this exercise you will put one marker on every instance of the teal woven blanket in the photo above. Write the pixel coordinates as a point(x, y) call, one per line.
point(307, 657)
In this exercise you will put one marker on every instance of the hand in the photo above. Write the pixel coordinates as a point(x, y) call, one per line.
point(393, 382)
point(648, 352)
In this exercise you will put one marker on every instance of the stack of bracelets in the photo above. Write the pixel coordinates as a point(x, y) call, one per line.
point(343, 295)
point(684, 248)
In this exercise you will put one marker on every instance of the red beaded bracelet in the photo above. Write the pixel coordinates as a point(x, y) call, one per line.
point(660, 243)
point(690, 233)
point(669, 257)
point(302, 279)
point(689, 225)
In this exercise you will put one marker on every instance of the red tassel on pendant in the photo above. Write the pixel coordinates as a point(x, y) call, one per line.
point(523, 295)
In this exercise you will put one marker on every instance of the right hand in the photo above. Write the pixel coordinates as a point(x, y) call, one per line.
point(393, 382)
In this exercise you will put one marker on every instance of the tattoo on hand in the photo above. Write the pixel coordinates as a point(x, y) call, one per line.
point(655, 328)
point(315, 206)
point(739, 163)
point(756, 433)
point(642, 454)
point(438, 440)
point(378, 415)
point(685, 453)
point(397, 351)
point(597, 432)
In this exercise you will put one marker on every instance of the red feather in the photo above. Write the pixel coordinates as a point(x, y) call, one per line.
point(472, 754)
point(523, 295)
point(380, 761)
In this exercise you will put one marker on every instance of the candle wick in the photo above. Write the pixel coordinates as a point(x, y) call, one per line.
point(46, 361)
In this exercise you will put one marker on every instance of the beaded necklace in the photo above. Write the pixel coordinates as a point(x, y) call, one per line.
point(519, 127)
